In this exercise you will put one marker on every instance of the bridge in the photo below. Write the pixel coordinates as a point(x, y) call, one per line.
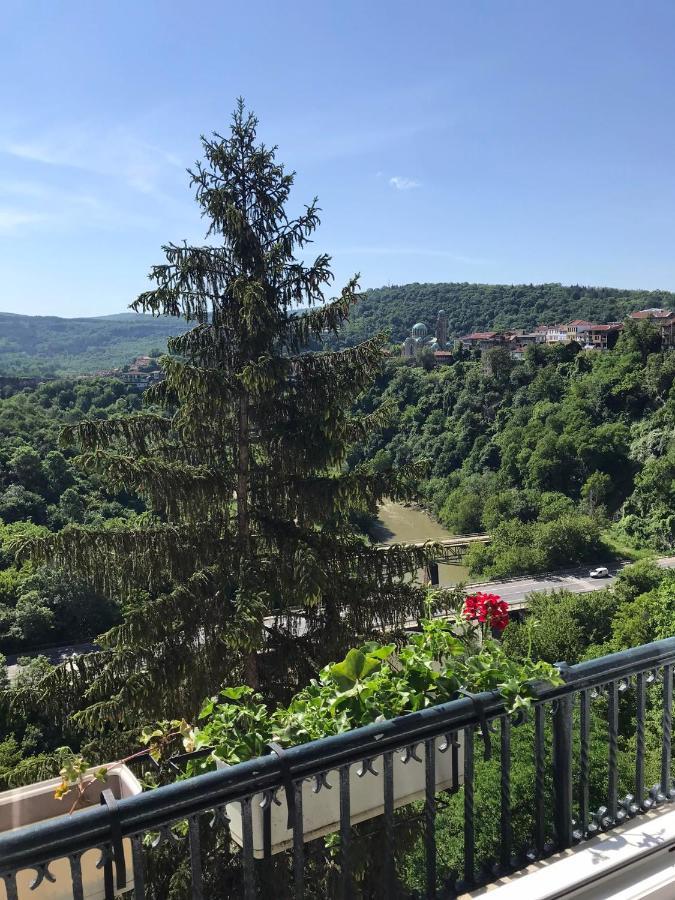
point(451, 550)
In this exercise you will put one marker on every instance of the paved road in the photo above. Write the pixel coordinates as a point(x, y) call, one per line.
point(55, 655)
point(514, 591)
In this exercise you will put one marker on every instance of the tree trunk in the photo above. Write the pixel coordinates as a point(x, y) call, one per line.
point(244, 526)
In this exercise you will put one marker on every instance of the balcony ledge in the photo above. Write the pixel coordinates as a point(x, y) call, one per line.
point(634, 860)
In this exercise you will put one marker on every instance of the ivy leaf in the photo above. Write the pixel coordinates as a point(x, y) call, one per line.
point(149, 733)
point(207, 708)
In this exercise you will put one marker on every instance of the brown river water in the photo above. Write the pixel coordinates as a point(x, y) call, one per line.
point(408, 524)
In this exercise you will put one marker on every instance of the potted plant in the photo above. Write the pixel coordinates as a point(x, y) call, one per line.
point(374, 682)
point(77, 788)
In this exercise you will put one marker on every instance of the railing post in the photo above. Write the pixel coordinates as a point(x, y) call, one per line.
point(562, 768)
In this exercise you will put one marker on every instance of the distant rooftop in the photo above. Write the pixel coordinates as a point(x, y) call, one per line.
point(652, 312)
point(480, 336)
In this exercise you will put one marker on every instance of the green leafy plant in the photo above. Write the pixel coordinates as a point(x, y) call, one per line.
point(372, 683)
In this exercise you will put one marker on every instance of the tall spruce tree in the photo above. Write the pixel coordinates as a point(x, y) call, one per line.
point(248, 566)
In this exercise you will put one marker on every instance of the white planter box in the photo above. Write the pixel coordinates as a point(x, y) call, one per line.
point(36, 803)
point(321, 811)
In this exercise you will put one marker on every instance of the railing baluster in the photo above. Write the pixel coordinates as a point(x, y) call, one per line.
point(298, 844)
point(562, 771)
point(539, 762)
point(108, 875)
point(613, 736)
point(138, 859)
point(430, 814)
point(455, 762)
point(10, 886)
point(584, 759)
point(667, 725)
point(345, 834)
point(641, 693)
point(195, 858)
point(469, 835)
point(389, 868)
point(76, 875)
point(505, 768)
point(247, 849)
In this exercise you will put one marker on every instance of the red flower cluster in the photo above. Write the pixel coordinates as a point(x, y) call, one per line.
point(488, 609)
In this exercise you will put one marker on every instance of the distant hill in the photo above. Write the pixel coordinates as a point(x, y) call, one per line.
point(50, 345)
point(480, 306)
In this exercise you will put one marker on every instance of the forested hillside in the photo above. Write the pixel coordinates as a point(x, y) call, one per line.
point(39, 345)
point(42, 489)
point(546, 454)
point(480, 306)
point(51, 345)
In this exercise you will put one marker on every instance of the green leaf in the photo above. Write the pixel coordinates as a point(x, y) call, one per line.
point(378, 651)
point(354, 668)
point(207, 708)
point(236, 693)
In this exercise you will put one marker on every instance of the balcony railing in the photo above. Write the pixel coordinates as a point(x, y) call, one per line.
point(189, 822)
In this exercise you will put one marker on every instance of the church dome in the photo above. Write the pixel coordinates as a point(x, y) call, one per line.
point(419, 330)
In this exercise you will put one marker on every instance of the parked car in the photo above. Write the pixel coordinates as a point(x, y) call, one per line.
point(600, 572)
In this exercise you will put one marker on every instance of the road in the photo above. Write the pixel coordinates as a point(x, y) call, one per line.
point(55, 655)
point(514, 591)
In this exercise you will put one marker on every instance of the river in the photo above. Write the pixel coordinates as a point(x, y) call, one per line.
point(408, 524)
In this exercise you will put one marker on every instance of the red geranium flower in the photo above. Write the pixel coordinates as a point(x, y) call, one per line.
point(487, 609)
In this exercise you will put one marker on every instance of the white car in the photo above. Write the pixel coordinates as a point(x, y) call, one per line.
point(600, 572)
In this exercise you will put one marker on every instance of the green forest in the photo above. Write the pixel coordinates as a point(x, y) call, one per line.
point(564, 458)
point(49, 345)
point(561, 457)
point(491, 306)
point(43, 490)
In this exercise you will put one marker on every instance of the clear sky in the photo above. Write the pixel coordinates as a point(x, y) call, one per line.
point(448, 140)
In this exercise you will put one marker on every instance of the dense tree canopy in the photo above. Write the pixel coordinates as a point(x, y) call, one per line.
point(544, 454)
point(41, 488)
point(481, 306)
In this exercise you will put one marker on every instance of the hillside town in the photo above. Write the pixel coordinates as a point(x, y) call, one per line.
point(589, 335)
point(141, 372)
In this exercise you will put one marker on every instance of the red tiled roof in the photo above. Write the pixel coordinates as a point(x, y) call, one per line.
point(579, 322)
point(653, 313)
point(613, 326)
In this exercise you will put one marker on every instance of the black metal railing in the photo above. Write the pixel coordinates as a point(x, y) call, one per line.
point(204, 829)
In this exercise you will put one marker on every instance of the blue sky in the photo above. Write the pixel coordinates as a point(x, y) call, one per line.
point(448, 140)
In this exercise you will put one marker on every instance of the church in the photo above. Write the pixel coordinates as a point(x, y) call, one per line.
point(420, 339)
